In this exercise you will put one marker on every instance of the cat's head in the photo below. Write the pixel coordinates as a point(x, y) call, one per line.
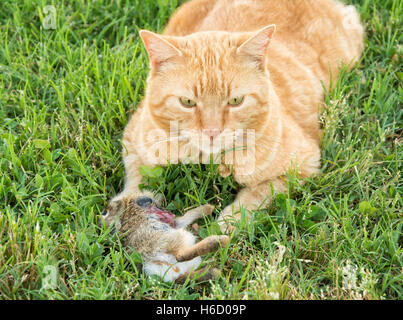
point(210, 83)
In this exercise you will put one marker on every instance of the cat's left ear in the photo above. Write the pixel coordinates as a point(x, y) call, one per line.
point(256, 45)
point(159, 49)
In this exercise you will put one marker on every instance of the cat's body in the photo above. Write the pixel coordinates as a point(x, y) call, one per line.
point(216, 50)
point(167, 248)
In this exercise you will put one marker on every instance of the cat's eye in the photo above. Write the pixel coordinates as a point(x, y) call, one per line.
point(187, 102)
point(236, 101)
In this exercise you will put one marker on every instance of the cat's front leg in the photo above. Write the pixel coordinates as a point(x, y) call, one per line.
point(250, 198)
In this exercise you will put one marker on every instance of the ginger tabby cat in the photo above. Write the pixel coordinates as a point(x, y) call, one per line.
point(229, 66)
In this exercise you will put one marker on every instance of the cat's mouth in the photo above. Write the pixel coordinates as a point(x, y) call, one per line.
point(202, 142)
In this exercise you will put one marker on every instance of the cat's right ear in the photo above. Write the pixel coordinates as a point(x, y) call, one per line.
point(159, 49)
point(255, 46)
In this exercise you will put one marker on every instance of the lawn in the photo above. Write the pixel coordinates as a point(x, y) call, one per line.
point(68, 86)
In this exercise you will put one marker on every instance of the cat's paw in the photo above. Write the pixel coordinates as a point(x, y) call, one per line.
point(224, 170)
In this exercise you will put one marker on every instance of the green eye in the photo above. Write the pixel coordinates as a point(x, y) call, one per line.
point(187, 102)
point(235, 101)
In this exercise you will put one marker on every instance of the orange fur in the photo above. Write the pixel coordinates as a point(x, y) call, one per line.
point(215, 50)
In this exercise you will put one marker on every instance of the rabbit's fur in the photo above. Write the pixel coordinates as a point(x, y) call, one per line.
point(168, 250)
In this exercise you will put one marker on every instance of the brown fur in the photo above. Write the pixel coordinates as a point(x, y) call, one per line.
point(214, 50)
point(163, 247)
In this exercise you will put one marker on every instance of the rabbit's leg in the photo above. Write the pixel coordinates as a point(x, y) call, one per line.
point(201, 275)
point(209, 244)
point(193, 215)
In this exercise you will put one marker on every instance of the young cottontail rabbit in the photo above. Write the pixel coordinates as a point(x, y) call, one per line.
point(168, 250)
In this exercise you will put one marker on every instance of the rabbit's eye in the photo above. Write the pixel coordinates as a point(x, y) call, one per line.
point(105, 213)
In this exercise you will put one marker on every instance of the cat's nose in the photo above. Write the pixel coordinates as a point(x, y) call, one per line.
point(144, 201)
point(212, 133)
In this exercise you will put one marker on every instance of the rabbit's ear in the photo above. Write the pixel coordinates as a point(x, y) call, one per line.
point(144, 201)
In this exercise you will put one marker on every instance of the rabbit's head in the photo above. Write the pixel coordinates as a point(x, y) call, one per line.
point(122, 214)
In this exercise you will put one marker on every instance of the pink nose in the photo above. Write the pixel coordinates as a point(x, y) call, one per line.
point(212, 133)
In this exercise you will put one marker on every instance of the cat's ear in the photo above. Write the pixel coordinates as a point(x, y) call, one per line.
point(256, 45)
point(159, 49)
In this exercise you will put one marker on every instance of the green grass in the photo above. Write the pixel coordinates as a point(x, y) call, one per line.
point(66, 95)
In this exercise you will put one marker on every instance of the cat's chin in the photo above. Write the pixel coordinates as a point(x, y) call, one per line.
point(210, 150)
